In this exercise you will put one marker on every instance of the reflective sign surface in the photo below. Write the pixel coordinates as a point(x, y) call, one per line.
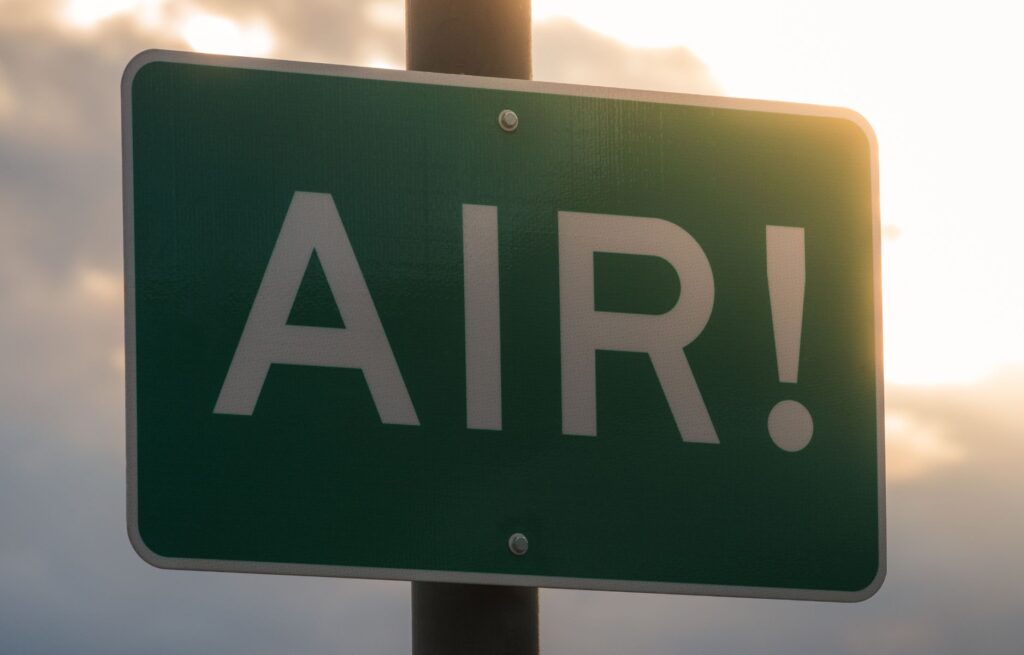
point(374, 332)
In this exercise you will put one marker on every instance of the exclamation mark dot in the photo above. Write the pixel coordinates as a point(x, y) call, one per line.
point(789, 423)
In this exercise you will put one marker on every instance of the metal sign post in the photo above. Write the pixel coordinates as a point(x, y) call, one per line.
point(492, 39)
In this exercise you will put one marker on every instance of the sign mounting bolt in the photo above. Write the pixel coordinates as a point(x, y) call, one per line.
point(518, 544)
point(508, 120)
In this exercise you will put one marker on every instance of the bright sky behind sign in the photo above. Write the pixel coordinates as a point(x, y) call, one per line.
point(936, 84)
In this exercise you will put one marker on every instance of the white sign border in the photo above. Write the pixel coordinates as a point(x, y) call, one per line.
point(464, 577)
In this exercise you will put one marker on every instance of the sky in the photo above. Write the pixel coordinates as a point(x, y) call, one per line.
point(937, 81)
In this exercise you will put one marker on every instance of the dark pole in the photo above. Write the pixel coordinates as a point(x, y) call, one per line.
point(469, 37)
point(458, 619)
point(490, 38)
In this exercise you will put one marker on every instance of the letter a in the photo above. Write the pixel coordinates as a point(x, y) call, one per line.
point(663, 337)
point(312, 224)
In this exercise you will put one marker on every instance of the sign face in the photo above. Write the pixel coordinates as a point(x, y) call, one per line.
point(614, 340)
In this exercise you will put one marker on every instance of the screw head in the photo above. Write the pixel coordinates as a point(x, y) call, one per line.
point(508, 120)
point(518, 544)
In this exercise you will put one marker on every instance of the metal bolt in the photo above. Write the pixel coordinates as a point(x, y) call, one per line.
point(518, 544)
point(508, 120)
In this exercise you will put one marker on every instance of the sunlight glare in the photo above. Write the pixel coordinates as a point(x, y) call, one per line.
point(100, 286)
point(383, 62)
point(948, 134)
point(915, 448)
point(640, 23)
point(86, 14)
point(116, 360)
point(7, 102)
point(222, 36)
point(389, 15)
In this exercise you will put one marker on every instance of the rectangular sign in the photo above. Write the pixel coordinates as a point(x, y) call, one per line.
point(432, 327)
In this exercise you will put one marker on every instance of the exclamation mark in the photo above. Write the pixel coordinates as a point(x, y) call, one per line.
point(789, 423)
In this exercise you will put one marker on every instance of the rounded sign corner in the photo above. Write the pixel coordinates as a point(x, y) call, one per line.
point(142, 549)
point(872, 587)
point(137, 63)
point(860, 122)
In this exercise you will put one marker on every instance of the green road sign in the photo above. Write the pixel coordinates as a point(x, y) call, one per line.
point(431, 327)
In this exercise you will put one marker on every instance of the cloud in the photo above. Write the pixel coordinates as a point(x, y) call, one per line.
point(565, 51)
point(354, 33)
